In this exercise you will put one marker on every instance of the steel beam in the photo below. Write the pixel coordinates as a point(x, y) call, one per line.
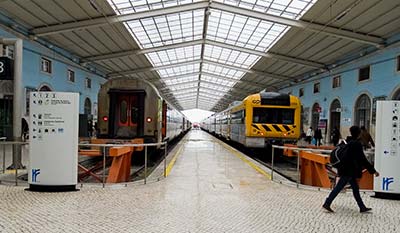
point(148, 69)
point(195, 81)
point(121, 54)
point(141, 51)
point(302, 62)
point(328, 30)
point(256, 72)
point(96, 22)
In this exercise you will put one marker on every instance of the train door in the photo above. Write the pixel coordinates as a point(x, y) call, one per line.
point(6, 111)
point(164, 120)
point(126, 114)
point(335, 115)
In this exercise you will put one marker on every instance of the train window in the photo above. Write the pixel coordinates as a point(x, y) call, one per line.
point(364, 73)
point(273, 115)
point(301, 92)
point(316, 87)
point(122, 112)
point(134, 115)
point(336, 81)
point(237, 117)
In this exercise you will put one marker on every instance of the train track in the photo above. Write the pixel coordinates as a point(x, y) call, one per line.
point(155, 157)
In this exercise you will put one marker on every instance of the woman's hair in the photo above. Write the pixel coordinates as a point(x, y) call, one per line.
point(355, 131)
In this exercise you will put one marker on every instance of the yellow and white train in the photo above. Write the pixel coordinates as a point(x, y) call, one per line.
point(258, 119)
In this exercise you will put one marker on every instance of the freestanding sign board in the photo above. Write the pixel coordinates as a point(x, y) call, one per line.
point(387, 149)
point(53, 146)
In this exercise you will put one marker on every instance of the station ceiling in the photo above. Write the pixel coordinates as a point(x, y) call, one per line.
point(207, 54)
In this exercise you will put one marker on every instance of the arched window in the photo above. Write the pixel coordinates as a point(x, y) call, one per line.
point(45, 88)
point(363, 111)
point(396, 95)
point(88, 106)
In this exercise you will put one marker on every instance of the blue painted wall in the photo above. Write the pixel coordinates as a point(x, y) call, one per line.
point(384, 81)
point(33, 77)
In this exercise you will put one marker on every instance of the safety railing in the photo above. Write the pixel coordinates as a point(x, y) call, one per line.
point(11, 166)
point(314, 160)
point(119, 157)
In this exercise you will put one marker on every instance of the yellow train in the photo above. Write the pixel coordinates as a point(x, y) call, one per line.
point(258, 119)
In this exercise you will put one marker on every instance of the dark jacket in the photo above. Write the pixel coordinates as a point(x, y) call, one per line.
point(355, 161)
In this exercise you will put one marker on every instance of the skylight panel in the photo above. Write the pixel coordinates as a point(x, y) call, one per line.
point(120, 6)
point(180, 80)
point(221, 81)
point(179, 70)
point(167, 29)
point(172, 56)
point(182, 86)
point(293, 9)
point(216, 87)
point(222, 71)
point(233, 29)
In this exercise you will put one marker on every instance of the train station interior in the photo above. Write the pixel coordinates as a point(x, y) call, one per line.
point(198, 115)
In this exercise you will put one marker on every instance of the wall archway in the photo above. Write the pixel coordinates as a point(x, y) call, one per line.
point(44, 87)
point(396, 94)
point(362, 111)
point(88, 106)
point(316, 109)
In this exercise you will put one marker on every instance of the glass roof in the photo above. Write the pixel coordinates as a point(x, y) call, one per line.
point(211, 78)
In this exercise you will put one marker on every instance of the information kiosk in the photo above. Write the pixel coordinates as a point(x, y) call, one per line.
point(387, 150)
point(53, 143)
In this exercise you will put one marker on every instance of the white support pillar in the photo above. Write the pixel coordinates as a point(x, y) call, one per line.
point(17, 97)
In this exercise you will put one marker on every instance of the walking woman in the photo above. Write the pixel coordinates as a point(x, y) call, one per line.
point(350, 170)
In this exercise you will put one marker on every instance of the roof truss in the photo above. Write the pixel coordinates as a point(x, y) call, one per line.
point(328, 30)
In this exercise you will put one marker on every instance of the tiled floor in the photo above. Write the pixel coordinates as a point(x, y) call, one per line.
point(208, 190)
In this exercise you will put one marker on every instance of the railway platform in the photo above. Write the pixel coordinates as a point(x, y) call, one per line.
point(210, 188)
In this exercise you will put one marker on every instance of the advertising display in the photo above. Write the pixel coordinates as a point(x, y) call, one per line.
point(387, 149)
point(53, 146)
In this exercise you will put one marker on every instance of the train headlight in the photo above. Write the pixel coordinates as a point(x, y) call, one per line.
point(105, 118)
point(149, 119)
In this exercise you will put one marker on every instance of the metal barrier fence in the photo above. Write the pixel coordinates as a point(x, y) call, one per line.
point(104, 151)
point(8, 154)
point(297, 149)
point(8, 147)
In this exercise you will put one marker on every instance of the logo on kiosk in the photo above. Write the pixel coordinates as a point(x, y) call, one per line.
point(35, 173)
point(386, 181)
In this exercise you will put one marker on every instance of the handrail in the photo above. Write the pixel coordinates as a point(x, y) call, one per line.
point(302, 149)
point(13, 143)
point(123, 145)
point(298, 158)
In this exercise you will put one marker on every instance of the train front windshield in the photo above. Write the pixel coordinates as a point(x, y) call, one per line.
point(273, 116)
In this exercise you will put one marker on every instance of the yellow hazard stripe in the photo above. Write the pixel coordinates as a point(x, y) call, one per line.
point(172, 162)
point(248, 162)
